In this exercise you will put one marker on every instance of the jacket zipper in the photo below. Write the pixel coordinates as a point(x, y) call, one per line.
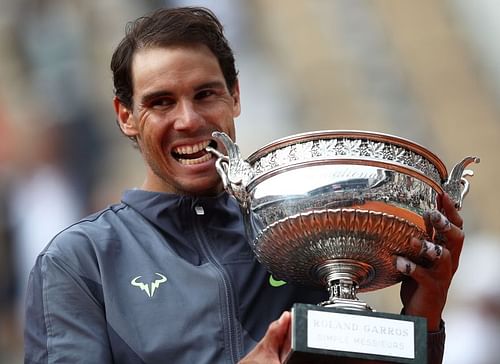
point(233, 329)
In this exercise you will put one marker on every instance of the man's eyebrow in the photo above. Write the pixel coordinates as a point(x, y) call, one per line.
point(211, 84)
point(153, 95)
point(163, 93)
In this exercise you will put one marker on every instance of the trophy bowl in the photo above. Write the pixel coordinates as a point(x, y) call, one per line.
point(332, 208)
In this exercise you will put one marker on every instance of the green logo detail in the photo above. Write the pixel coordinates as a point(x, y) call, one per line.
point(275, 282)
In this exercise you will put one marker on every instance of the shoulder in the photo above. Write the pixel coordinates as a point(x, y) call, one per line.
point(81, 242)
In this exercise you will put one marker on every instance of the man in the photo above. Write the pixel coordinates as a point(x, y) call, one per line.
point(167, 275)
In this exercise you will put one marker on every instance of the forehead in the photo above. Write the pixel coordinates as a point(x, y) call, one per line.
point(174, 66)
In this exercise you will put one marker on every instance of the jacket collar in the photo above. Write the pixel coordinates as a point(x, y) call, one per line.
point(155, 205)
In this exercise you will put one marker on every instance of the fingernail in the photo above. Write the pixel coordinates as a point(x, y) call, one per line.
point(405, 266)
point(280, 320)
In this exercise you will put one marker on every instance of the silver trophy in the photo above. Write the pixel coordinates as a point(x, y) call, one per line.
point(332, 208)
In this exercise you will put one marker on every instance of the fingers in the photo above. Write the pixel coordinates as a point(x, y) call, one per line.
point(432, 270)
point(445, 232)
point(448, 230)
point(438, 269)
point(425, 293)
point(428, 225)
point(430, 280)
point(272, 347)
point(451, 211)
point(285, 320)
point(448, 237)
point(278, 329)
point(276, 336)
point(405, 266)
point(429, 250)
point(439, 222)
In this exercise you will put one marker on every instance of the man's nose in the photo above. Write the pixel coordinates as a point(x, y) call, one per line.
point(187, 118)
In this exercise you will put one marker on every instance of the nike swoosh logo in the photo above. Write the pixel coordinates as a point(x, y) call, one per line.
point(275, 282)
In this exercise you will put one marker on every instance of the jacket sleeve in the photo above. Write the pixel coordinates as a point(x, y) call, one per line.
point(435, 345)
point(65, 322)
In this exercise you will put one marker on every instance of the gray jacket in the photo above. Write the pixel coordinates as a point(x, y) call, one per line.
point(158, 278)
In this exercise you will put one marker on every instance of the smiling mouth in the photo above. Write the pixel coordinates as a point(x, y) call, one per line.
point(193, 154)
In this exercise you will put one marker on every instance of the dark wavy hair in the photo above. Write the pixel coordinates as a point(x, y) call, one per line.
point(166, 27)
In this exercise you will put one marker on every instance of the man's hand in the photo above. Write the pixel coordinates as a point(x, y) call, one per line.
point(274, 346)
point(425, 290)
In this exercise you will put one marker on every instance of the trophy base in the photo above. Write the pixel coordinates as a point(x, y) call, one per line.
point(326, 335)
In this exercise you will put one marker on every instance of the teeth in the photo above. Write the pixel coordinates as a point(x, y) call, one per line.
point(190, 149)
point(189, 162)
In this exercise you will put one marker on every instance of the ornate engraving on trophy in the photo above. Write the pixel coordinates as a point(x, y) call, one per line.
point(336, 148)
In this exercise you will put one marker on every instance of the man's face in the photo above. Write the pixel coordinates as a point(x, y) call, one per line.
point(180, 98)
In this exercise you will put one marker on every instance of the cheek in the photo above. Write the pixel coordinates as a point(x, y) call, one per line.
point(151, 141)
point(155, 138)
point(150, 126)
point(229, 128)
point(236, 109)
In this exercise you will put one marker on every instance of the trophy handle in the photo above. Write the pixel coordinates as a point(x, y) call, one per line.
point(457, 186)
point(234, 171)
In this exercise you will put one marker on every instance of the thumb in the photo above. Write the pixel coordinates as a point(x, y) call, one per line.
point(285, 323)
point(278, 335)
point(277, 331)
point(272, 347)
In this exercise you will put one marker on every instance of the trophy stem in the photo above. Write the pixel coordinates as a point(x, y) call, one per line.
point(341, 277)
point(343, 295)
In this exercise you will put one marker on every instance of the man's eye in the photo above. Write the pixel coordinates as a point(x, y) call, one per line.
point(160, 102)
point(204, 94)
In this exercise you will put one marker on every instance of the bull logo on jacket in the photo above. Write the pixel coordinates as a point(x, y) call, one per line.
point(149, 288)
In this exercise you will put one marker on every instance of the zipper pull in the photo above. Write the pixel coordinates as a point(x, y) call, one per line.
point(199, 210)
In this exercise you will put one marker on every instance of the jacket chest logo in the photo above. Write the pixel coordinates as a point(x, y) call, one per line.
point(149, 288)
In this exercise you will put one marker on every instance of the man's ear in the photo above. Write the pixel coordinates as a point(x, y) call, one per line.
point(236, 99)
point(125, 118)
